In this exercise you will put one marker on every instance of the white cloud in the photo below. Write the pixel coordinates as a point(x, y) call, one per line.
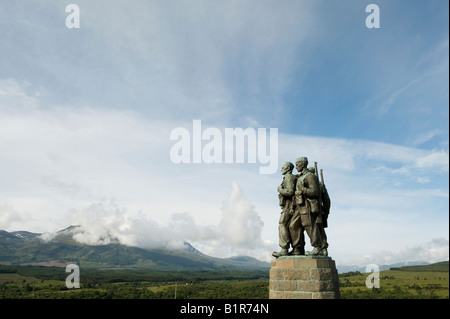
point(59, 161)
point(8, 215)
point(240, 223)
point(433, 251)
point(106, 221)
point(238, 232)
point(437, 158)
point(12, 93)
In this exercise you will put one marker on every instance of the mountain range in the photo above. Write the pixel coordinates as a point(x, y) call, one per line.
point(27, 248)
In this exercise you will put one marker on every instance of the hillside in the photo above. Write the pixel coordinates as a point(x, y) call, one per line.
point(437, 267)
point(407, 282)
point(25, 248)
point(342, 269)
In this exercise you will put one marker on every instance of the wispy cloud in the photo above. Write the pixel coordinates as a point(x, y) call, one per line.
point(389, 101)
point(111, 171)
point(427, 136)
point(217, 60)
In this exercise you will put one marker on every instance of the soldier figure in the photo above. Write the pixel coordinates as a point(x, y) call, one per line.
point(307, 209)
point(286, 193)
point(326, 204)
point(322, 219)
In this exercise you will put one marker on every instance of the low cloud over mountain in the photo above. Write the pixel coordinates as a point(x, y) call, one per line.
point(28, 248)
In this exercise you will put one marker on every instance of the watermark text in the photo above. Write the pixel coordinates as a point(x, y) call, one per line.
point(233, 145)
point(73, 19)
point(73, 280)
point(373, 19)
point(373, 280)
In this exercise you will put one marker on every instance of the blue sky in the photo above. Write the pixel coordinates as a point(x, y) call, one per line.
point(86, 115)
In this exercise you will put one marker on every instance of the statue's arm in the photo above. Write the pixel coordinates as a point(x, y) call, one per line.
point(289, 188)
point(311, 187)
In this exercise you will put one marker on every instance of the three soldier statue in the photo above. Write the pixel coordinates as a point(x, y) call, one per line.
point(305, 207)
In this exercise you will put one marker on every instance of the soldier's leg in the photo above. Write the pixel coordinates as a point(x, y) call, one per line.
point(283, 231)
point(301, 245)
point(284, 238)
point(297, 235)
point(323, 235)
point(314, 235)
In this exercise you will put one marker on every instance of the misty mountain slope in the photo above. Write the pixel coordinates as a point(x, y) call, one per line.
point(29, 248)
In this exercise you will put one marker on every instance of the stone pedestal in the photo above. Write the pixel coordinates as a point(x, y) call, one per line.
point(304, 277)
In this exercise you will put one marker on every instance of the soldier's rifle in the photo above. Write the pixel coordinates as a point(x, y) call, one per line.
point(321, 177)
point(320, 189)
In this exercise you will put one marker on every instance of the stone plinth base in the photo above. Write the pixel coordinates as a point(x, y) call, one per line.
point(304, 277)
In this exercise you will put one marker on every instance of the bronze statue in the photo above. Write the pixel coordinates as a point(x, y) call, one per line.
point(285, 196)
point(305, 207)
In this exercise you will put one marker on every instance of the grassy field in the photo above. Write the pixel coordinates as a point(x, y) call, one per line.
point(397, 284)
point(33, 282)
point(49, 283)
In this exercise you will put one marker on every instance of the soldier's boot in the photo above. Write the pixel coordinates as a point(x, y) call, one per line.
point(283, 252)
point(314, 252)
point(323, 252)
point(297, 251)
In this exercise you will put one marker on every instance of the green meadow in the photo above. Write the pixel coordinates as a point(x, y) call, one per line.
point(397, 284)
point(32, 282)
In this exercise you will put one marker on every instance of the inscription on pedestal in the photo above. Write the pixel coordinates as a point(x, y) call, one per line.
point(304, 277)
